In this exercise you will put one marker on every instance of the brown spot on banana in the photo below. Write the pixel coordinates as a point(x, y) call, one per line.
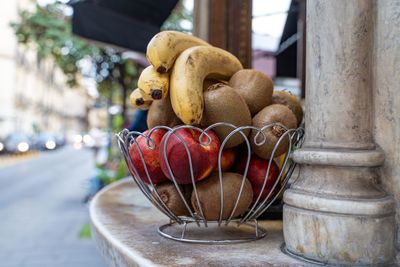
point(156, 94)
point(162, 69)
point(190, 60)
point(137, 100)
point(153, 85)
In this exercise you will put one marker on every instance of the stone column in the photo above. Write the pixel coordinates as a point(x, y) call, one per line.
point(335, 212)
point(201, 19)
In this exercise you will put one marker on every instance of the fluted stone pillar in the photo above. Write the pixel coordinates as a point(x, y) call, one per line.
point(336, 212)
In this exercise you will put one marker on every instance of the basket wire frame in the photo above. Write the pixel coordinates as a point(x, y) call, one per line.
point(294, 137)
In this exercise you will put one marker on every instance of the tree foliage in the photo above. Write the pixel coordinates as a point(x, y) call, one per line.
point(176, 20)
point(51, 34)
point(50, 31)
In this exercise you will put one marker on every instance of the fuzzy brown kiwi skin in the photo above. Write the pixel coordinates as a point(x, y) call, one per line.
point(209, 194)
point(161, 113)
point(210, 82)
point(170, 196)
point(270, 114)
point(255, 87)
point(223, 104)
point(289, 100)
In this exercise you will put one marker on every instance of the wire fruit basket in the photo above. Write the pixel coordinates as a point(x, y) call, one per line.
point(228, 226)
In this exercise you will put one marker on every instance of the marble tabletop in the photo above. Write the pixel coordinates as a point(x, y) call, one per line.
point(124, 228)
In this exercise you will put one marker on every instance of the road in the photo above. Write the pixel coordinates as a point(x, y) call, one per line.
point(41, 211)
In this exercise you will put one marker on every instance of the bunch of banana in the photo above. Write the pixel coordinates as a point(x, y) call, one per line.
point(137, 100)
point(153, 85)
point(165, 47)
point(189, 61)
point(188, 74)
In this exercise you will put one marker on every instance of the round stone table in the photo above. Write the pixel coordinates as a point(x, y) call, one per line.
point(124, 228)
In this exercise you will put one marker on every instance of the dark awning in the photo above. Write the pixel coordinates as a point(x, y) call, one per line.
point(124, 23)
point(286, 57)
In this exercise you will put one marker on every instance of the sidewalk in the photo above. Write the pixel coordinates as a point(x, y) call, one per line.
point(7, 160)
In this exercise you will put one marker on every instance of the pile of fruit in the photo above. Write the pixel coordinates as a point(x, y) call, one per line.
point(190, 82)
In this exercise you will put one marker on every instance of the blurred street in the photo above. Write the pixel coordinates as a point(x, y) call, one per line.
point(42, 213)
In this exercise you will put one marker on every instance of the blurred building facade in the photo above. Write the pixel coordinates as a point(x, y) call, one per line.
point(33, 94)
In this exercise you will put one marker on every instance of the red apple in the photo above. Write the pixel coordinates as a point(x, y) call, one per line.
point(256, 175)
point(227, 159)
point(204, 156)
point(150, 156)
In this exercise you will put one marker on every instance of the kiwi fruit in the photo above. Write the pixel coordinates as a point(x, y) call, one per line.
point(289, 100)
point(209, 193)
point(255, 87)
point(270, 114)
point(208, 82)
point(223, 104)
point(171, 198)
point(161, 113)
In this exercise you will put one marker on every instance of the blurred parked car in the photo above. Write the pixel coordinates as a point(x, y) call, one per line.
point(76, 140)
point(45, 141)
point(88, 140)
point(60, 139)
point(2, 148)
point(17, 143)
point(83, 139)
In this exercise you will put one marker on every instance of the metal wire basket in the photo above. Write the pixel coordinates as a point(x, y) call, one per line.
point(195, 228)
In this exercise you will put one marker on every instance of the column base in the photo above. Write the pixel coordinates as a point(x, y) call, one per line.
point(335, 212)
point(339, 231)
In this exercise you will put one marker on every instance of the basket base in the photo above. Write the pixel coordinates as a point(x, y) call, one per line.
point(190, 232)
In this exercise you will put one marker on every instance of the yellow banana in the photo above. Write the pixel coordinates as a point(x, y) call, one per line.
point(137, 100)
point(165, 47)
point(153, 85)
point(186, 81)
